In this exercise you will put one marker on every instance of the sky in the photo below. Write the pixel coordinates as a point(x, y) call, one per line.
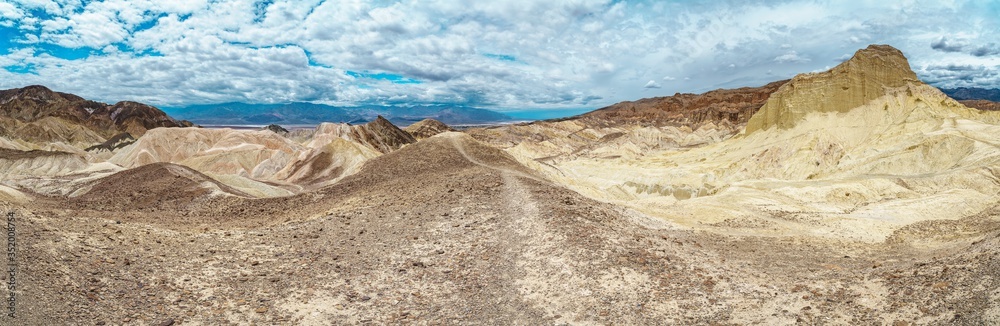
point(490, 54)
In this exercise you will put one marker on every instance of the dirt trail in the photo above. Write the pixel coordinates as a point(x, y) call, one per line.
point(456, 141)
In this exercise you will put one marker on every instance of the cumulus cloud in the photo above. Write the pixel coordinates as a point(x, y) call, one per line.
point(945, 45)
point(791, 56)
point(986, 50)
point(493, 54)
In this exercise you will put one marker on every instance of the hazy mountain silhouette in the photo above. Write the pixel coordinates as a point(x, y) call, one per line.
point(309, 113)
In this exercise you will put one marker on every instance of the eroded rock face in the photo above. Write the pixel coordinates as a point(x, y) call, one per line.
point(732, 106)
point(427, 128)
point(276, 129)
point(851, 84)
point(253, 154)
point(380, 135)
point(38, 163)
point(113, 143)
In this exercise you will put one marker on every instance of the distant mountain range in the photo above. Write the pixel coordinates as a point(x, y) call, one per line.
point(309, 113)
point(971, 93)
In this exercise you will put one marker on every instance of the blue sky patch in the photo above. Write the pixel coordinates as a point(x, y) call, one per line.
point(7, 36)
point(22, 69)
point(394, 78)
point(65, 53)
point(501, 57)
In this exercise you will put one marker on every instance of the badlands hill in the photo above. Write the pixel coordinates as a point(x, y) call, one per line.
point(151, 187)
point(857, 151)
point(265, 164)
point(881, 213)
point(36, 114)
point(629, 129)
point(491, 242)
point(427, 128)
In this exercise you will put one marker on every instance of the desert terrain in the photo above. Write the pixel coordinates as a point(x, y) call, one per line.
point(858, 195)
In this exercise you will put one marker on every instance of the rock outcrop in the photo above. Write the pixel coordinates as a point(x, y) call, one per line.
point(276, 129)
point(851, 84)
point(247, 153)
point(427, 128)
point(113, 143)
point(380, 135)
point(318, 167)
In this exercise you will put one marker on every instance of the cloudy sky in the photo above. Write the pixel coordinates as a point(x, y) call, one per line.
point(493, 54)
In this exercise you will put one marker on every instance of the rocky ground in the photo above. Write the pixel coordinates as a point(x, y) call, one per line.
point(449, 231)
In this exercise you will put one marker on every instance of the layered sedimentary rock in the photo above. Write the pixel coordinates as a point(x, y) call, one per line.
point(326, 164)
point(427, 128)
point(257, 161)
point(851, 84)
point(252, 154)
point(38, 163)
point(380, 135)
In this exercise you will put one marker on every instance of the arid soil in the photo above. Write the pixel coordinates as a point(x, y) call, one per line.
point(449, 231)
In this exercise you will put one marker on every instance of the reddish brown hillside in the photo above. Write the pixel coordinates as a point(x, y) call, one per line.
point(982, 105)
point(692, 110)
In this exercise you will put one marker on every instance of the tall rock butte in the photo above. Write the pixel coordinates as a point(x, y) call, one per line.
point(863, 78)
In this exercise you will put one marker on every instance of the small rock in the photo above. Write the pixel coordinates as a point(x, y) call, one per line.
point(166, 322)
point(261, 310)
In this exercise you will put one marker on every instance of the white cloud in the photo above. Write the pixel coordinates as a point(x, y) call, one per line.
point(791, 56)
point(10, 12)
point(499, 53)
